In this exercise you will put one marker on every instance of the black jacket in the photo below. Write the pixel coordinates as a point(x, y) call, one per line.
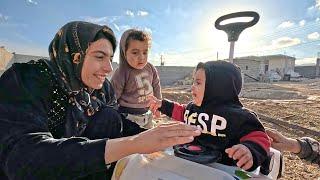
point(222, 115)
point(28, 150)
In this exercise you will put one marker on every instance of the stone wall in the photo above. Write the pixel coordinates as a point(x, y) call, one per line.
point(171, 74)
point(249, 67)
point(168, 74)
point(306, 71)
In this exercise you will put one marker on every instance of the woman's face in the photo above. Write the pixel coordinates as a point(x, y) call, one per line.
point(198, 86)
point(97, 63)
point(137, 53)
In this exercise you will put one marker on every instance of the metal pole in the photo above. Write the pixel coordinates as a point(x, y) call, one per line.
point(231, 51)
point(161, 61)
point(317, 67)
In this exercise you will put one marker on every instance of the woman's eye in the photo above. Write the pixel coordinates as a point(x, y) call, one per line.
point(99, 57)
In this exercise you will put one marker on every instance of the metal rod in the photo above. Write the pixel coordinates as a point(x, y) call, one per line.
point(231, 51)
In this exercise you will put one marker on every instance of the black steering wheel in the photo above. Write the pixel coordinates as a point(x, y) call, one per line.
point(233, 30)
point(197, 153)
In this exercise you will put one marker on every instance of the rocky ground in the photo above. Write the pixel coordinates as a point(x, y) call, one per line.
point(293, 107)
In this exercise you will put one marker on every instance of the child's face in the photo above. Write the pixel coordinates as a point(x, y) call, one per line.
point(137, 53)
point(198, 86)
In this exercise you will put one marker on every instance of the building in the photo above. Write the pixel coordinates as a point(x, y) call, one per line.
point(266, 67)
point(310, 71)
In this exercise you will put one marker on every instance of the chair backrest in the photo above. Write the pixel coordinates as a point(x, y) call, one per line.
point(164, 165)
point(275, 166)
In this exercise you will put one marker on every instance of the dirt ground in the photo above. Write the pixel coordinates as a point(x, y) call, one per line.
point(295, 104)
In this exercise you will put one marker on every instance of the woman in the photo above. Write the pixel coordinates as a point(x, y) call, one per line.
point(56, 116)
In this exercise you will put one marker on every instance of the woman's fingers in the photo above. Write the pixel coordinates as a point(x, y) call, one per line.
point(176, 127)
point(182, 133)
point(177, 133)
point(169, 123)
point(166, 135)
point(168, 142)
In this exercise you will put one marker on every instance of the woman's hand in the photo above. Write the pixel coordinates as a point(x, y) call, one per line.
point(282, 143)
point(152, 140)
point(241, 153)
point(165, 135)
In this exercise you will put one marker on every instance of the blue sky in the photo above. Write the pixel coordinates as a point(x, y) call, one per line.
point(182, 30)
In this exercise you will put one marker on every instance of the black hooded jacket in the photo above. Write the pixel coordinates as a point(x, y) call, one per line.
point(222, 116)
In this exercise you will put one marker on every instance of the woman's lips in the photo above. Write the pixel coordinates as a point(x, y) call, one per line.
point(101, 77)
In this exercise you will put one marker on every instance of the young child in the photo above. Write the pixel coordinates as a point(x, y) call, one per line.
point(136, 78)
point(226, 125)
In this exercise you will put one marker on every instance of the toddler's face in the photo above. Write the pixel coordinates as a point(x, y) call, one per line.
point(137, 53)
point(198, 86)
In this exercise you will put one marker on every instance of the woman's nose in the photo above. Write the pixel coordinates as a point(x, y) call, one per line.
point(107, 66)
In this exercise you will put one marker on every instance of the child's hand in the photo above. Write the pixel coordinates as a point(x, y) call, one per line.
point(157, 114)
point(241, 153)
point(154, 104)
